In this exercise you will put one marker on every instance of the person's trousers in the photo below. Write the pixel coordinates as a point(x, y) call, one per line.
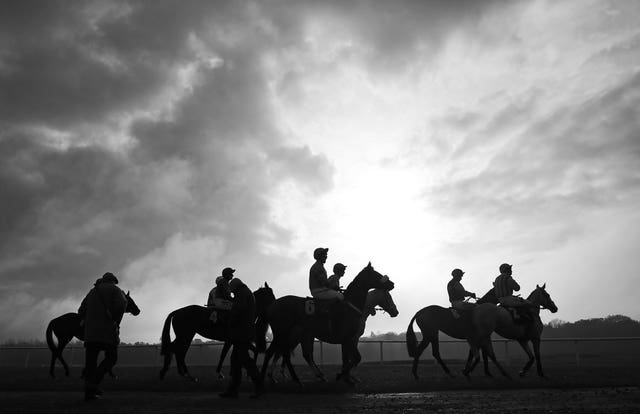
point(240, 359)
point(95, 373)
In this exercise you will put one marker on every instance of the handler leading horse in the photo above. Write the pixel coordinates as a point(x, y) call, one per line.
point(194, 319)
point(67, 326)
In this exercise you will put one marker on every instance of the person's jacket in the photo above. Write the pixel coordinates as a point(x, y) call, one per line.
point(317, 276)
point(456, 291)
point(102, 310)
point(242, 316)
point(505, 285)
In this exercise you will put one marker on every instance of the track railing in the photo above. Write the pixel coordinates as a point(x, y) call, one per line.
point(381, 351)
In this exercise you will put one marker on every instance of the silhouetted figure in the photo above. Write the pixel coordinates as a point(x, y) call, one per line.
point(68, 326)
point(504, 286)
point(318, 281)
point(333, 282)
point(458, 294)
point(241, 334)
point(220, 295)
point(102, 310)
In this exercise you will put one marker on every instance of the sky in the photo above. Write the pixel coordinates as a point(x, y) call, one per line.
point(164, 141)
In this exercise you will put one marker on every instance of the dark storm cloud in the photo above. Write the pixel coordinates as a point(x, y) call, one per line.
point(74, 206)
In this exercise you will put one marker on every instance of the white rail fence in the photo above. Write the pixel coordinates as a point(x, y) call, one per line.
point(579, 351)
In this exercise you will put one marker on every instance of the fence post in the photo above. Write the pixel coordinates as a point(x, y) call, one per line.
point(321, 354)
point(381, 352)
point(577, 352)
point(26, 358)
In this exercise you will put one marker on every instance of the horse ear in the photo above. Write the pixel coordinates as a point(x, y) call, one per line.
point(544, 286)
point(537, 287)
point(128, 292)
point(266, 284)
point(369, 265)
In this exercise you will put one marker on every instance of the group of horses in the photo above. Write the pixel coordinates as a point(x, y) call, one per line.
point(295, 321)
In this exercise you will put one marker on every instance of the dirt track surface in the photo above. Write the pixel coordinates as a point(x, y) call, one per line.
point(596, 400)
point(384, 388)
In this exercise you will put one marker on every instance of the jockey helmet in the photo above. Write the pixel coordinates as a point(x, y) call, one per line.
point(505, 268)
point(320, 252)
point(457, 273)
point(109, 277)
point(338, 267)
point(227, 272)
point(234, 284)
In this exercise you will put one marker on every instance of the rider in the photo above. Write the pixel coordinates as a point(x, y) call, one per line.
point(457, 292)
point(220, 295)
point(504, 286)
point(333, 282)
point(318, 282)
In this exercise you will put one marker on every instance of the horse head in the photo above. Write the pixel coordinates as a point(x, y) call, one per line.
point(131, 308)
point(542, 298)
point(369, 278)
point(264, 297)
point(383, 299)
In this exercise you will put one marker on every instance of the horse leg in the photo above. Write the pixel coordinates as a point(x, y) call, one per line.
point(165, 367)
point(62, 343)
point(347, 364)
point(472, 359)
point(524, 343)
point(488, 347)
point(223, 355)
point(416, 360)
point(435, 351)
point(536, 350)
point(307, 354)
point(181, 348)
point(485, 362)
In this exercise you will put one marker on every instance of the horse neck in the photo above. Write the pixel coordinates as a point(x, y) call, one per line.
point(535, 301)
point(356, 295)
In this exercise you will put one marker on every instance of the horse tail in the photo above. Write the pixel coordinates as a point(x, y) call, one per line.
point(166, 335)
point(412, 342)
point(49, 336)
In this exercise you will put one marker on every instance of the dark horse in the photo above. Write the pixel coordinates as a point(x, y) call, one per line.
point(433, 319)
point(194, 319)
point(377, 299)
point(67, 326)
point(290, 324)
point(489, 317)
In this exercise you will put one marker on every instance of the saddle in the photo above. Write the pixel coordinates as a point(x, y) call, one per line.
point(321, 307)
point(520, 315)
point(458, 313)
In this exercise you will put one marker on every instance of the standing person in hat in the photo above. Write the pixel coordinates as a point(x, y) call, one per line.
point(241, 334)
point(333, 282)
point(318, 281)
point(102, 310)
point(457, 292)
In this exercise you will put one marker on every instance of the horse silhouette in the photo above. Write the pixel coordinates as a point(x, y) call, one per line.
point(377, 299)
point(291, 323)
point(194, 319)
point(489, 317)
point(68, 326)
point(434, 319)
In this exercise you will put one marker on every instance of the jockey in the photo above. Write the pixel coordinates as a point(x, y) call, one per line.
point(333, 282)
point(505, 285)
point(318, 283)
point(457, 292)
point(221, 290)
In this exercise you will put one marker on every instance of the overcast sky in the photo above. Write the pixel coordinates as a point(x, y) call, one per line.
point(164, 141)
